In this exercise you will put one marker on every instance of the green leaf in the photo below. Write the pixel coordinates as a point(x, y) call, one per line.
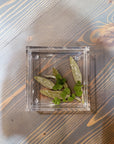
point(70, 99)
point(73, 96)
point(57, 87)
point(64, 100)
point(45, 82)
point(65, 92)
point(65, 85)
point(79, 93)
point(78, 89)
point(58, 76)
point(59, 80)
point(78, 83)
point(55, 72)
point(56, 101)
point(50, 93)
point(75, 70)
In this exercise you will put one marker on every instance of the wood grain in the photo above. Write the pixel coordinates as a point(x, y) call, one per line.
point(55, 23)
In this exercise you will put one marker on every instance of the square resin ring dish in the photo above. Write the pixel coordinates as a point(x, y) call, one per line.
point(57, 78)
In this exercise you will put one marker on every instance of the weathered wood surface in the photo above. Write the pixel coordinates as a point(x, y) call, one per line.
point(55, 23)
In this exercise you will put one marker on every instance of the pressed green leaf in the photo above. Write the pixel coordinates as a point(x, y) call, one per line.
point(78, 89)
point(57, 87)
point(75, 70)
point(55, 72)
point(50, 93)
point(56, 101)
point(50, 76)
point(78, 93)
point(60, 81)
point(45, 82)
point(65, 93)
point(70, 99)
point(73, 95)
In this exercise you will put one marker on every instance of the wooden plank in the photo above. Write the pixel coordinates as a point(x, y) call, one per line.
point(54, 23)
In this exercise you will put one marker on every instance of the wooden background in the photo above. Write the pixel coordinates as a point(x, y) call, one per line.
point(55, 23)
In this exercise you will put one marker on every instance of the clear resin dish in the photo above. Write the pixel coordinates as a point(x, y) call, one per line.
point(40, 61)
